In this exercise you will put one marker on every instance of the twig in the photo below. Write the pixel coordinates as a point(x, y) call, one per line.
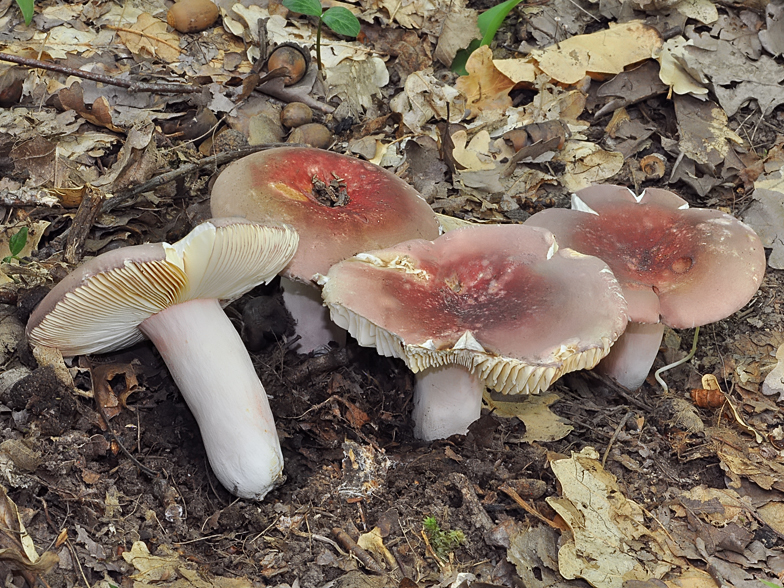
point(657, 373)
point(102, 78)
point(212, 161)
point(137, 463)
point(83, 221)
point(351, 546)
point(615, 436)
point(509, 491)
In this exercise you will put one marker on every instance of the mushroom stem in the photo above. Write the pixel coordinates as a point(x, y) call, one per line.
point(632, 356)
point(446, 400)
point(207, 360)
point(314, 327)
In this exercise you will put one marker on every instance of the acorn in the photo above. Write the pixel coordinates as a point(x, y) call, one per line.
point(291, 60)
point(296, 114)
point(313, 134)
point(192, 16)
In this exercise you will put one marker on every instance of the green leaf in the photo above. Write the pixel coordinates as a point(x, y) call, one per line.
point(769, 584)
point(461, 57)
point(309, 7)
point(17, 242)
point(490, 20)
point(26, 6)
point(342, 21)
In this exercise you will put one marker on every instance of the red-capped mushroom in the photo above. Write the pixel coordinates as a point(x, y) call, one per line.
point(678, 266)
point(339, 205)
point(500, 302)
point(172, 294)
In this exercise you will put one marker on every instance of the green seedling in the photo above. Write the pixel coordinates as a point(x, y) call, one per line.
point(339, 19)
point(16, 243)
point(489, 22)
point(770, 584)
point(26, 6)
point(442, 542)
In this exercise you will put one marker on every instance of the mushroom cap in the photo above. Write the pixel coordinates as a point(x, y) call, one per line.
point(278, 186)
point(501, 300)
point(98, 307)
point(683, 266)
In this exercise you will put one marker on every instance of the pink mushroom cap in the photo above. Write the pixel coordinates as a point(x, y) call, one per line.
point(683, 266)
point(376, 208)
point(503, 301)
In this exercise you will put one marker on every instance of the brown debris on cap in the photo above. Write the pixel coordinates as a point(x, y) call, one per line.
point(502, 301)
point(683, 266)
point(340, 205)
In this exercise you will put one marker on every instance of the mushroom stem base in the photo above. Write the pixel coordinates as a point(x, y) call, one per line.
point(314, 327)
point(212, 369)
point(446, 400)
point(631, 357)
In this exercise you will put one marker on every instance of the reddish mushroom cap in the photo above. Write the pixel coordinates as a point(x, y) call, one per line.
point(375, 208)
point(499, 300)
point(683, 266)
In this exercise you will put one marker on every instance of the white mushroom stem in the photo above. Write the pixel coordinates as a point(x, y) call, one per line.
point(215, 375)
point(446, 400)
point(631, 357)
point(314, 327)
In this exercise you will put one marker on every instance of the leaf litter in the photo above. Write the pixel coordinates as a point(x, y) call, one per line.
point(682, 95)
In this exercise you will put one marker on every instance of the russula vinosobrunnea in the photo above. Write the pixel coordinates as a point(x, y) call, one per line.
point(339, 205)
point(678, 266)
point(172, 294)
point(501, 302)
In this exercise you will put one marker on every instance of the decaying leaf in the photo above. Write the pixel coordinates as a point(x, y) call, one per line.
point(705, 135)
point(604, 52)
point(766, 216)
point(105, 385)
point(425, 98)
point(586, 164)
point(735, 78)
point(485, 87)
point(168, 570)
point(671, 70)
point(17, 549)
point(774, 381)
point(150, 36)
point(541, 424)
point(608, 530)
point(99, 113)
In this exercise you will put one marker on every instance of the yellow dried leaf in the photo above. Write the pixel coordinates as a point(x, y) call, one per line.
point(149, 36)
point(603, 52)
point(485, 87)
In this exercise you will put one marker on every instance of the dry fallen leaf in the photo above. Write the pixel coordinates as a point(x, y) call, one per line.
point(485, 87)
point(603, 52)
point(704, 130)
point(150, 36)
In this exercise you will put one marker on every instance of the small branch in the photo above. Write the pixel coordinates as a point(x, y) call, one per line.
point(101, 78)
point(351, 546)
point(212, 161)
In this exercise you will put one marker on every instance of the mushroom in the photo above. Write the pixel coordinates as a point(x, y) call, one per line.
point(172, 294)
point(495, 305)
point(678, 266)
point(340, 206)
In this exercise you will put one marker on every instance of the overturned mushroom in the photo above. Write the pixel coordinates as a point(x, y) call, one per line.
point(678, 266)
point(172, 294)
point(339, 205)
point(495, 305)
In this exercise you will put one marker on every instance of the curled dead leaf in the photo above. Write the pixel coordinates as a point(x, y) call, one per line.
point(653, 166)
